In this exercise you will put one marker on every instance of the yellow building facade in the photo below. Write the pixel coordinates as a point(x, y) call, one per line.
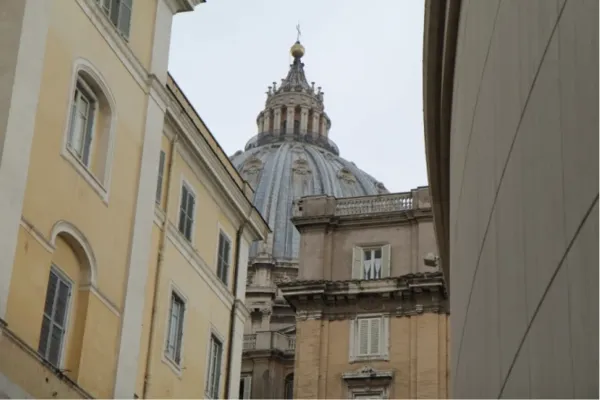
point(124, 228)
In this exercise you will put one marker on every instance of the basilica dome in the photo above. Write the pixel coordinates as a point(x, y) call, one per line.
point(292, 156)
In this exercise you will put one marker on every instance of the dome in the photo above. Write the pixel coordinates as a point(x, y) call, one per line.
point(291, 157)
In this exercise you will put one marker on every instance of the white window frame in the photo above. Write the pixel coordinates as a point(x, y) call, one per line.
point(247, 380)
point(162, 159)
point(106, 7)
point(84, 90)
point(100, 186)
point(189, 187)
point(358, 259)
point(213, 334)
point(176, 365)
point(354, 350)
point(64, 278)
point(221, 231)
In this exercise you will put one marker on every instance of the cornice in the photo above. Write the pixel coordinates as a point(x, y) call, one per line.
point(408, 295)
point(177, 6)
point(215, 170)
point(115, 42)
point(198, 264)
point(362, 220)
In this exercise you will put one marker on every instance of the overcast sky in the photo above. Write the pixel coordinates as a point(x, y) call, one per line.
point(366, 55)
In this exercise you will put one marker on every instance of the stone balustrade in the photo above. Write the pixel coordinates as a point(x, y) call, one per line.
point(319, 206)
point(374, 204)
point(269, 341)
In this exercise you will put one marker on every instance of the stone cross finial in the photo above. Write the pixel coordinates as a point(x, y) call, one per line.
point(299, 32)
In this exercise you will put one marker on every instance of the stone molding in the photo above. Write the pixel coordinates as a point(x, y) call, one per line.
point(405, 296)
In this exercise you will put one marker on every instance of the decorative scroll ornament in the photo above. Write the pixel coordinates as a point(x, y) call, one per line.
point(346, 176)
point(300, 167)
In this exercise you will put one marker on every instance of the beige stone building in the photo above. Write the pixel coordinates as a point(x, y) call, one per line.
point(511, 131)
point(372, 316)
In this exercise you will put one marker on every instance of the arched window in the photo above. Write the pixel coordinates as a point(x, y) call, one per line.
point(288, 388)
point(71, 274)
point(90, 127)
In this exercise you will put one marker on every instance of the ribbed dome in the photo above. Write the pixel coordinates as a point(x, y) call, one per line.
point(285, 171)
point(292, 156)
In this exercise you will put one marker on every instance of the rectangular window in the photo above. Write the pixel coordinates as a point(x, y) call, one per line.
point(55, 316)
point(371, 262)
point(119, 13)
point(214, 367)
point(175, 332)
point(186, 212)
point(82, 122)
point(371, 268)
point(224, 257)
point(369, 335)
point(161, 171)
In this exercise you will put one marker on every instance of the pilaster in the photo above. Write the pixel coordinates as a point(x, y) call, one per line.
point(290, 120)
point(315, 123)
point(24, 26)
point(260, 124)
point(277, 120)
point(266, 120)
point(303, 120)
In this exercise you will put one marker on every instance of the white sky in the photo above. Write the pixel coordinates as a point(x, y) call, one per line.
point(366, 55)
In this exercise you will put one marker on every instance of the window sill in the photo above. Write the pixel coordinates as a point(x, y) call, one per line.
point(378, 357)
point(176, 368)
point(86, 174)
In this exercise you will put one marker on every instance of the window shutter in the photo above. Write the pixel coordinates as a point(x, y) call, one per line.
point(357, 262)
point(56, 334)
point(217, 370)
point(363, 337)
point(247, 387)
point(62, 299)
point(50, 293)
point(386, 257)
point(124, 23)
point(182, 209)
point(44, 336)
point(352, 350)
point(73, 117)
point(87, 139)
point(170, 332)
point(180, 318)
point(161, 171)
point(374, 336)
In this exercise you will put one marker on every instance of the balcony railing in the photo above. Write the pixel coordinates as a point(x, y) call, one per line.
point(269, 341)
point(374, 204)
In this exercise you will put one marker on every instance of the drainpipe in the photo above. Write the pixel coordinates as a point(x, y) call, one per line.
point(236, 270)
point(160, 258)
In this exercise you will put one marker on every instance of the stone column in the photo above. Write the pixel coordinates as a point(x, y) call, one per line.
point(323, 129)
point(267, 120)
point(303, 120)
point(260, 124)
point(24, 31)
point(315, 123)
point(277, 120)
point(290, 120)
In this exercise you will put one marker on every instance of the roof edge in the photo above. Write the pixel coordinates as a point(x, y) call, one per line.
point(439, 50)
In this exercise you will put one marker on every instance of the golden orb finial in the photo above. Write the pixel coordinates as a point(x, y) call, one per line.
point(297, 50)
